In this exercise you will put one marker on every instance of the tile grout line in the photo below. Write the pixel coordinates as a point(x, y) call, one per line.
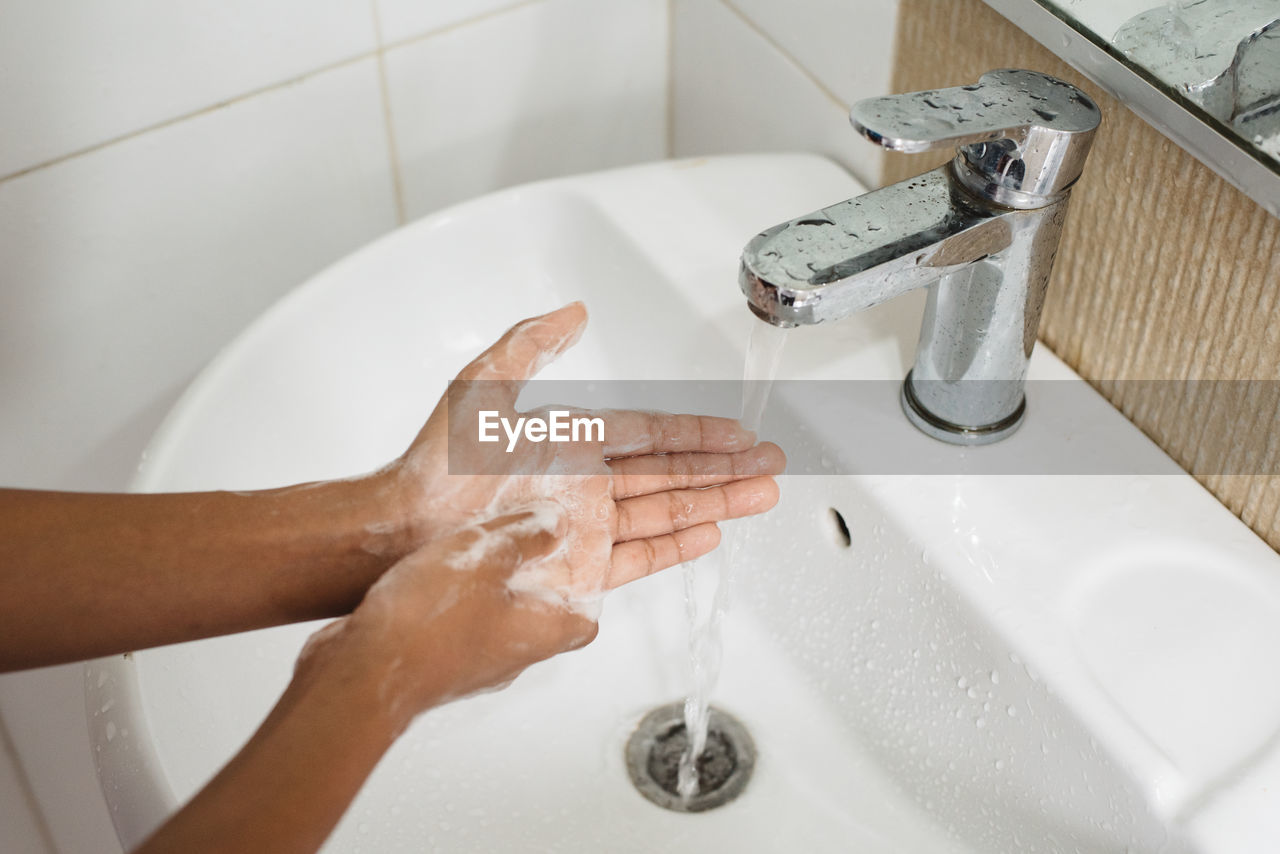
point(376, 53)
point(457, 25)
point(134, 134)
point(670, 117)
point(8, 748)
point(384, 90)
point(759, 31)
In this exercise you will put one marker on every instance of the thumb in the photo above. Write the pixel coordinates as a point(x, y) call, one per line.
point(525, 349)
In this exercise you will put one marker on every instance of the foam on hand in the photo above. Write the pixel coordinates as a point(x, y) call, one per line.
point(537, 518)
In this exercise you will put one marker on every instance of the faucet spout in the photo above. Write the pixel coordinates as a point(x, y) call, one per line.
point(980, 234)
point(861, 252)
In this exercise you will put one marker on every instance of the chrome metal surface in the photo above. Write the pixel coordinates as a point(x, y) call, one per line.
point(957, 434)
point(980, 233)
point(1023, 135)
point(724, 768)
point(1080, 32)
point(1224, 55)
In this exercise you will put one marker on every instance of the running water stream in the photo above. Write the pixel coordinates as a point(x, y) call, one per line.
point(764, 351)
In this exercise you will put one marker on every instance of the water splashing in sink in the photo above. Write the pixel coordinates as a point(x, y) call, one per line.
point(764, 351)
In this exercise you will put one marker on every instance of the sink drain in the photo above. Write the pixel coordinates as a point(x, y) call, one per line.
point(655, 748)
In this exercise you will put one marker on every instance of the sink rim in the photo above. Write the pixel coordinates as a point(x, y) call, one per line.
point(972, 585)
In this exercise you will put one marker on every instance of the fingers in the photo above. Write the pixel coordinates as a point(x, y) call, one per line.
point(630, 433)
point(662, 513)
point(652, 473)
point(638, 558)
point(528, 346)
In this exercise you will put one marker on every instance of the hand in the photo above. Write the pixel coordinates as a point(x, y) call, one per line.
point(513, 563)
point(447, 621)
point(489, 574)
point(647, 498)
point(440, 624)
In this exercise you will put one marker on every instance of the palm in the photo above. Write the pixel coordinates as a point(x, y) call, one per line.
point(646, 498)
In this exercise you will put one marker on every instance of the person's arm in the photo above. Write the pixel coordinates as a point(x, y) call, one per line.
point(283, 792)
point(83, 575)
point(89, 575)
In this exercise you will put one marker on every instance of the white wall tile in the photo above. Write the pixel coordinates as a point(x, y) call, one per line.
point(734, 92)
point(556, 87)
point(405, 19)
point(21, 830)
point(846, 45)
point(75, 74)
point(124, 270)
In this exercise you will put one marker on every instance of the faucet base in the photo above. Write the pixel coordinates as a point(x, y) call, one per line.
point(957, 434)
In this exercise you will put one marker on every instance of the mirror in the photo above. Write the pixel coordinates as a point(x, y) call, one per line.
point(1204, 72)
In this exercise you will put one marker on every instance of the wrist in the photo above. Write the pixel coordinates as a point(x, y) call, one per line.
point(342, 668)
point(380, 510)
point(394, 497)
point(359, 520)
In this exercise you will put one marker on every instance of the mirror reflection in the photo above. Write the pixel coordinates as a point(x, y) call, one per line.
point(1221, 55)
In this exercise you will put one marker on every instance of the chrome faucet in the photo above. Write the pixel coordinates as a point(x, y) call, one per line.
point(981, 233)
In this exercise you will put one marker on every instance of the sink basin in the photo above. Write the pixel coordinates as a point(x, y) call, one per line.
point(943, 659)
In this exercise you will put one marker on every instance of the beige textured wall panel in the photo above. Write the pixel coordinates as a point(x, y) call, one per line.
point(1165, 272)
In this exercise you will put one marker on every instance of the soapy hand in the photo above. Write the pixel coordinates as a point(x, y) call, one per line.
point(445, 622)
point(644, 499)
point(514, 563)
point(488, 573)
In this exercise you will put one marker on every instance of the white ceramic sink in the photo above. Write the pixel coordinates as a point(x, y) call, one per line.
point(994, 663)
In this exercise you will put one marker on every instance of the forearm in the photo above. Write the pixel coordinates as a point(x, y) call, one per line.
point(283, 792)
point(88, 575)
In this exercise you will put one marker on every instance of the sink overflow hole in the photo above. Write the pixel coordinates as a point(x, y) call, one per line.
point(843, 536)
point(653, 759)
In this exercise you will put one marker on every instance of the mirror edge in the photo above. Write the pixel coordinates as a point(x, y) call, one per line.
point(1229, 159)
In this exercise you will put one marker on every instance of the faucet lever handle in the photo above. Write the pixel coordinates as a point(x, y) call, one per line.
point(1023, 136)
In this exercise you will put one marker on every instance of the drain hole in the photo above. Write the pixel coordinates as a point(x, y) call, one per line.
point(842, 529)
point(716, 764)
point(654, 751)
